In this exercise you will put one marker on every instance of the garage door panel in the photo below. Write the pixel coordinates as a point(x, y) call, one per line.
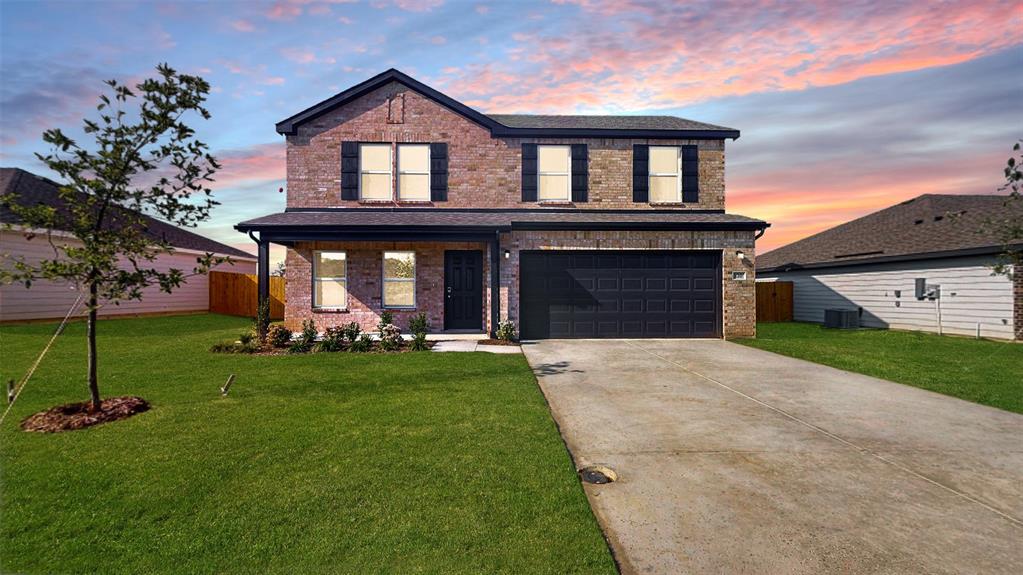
point(620, 294)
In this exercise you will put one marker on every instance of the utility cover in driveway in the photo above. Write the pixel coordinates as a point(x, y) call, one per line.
point(620, 294)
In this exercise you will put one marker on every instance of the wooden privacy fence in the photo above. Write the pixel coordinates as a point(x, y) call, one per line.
point(774, 301)
point(238, 294)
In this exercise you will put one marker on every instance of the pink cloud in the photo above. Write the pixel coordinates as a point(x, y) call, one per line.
point(482, 9)
point(298, 55)
point(261, 162)
point(243, 26)
point(418, 5)
point(637, 55)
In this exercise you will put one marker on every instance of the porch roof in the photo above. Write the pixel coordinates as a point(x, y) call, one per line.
point(481, 221)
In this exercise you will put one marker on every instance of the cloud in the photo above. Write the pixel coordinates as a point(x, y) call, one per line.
point(243, 26)
point(636, 55)
point(262, 164)
point(258, 73)
point(438, 40)
point(418, 5)
point(298, 55)
point(482, 9)
point(284, 11)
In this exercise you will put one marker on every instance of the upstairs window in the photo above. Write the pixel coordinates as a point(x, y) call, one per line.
point(330, 280)
point(665, 174)
point(399, 279)
point(414, 172)
point(554, 169)
point(375, 172)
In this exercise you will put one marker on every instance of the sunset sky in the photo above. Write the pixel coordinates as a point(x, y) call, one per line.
point(844, 108)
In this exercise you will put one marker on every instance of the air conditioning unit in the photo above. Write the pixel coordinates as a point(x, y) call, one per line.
point(842, 318)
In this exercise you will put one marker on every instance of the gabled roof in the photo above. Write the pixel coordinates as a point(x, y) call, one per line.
point(523, 125)
point(928, 226)
point(30, 189)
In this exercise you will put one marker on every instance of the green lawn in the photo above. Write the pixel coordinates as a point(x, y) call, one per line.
point(328, 463)
point(983, 371)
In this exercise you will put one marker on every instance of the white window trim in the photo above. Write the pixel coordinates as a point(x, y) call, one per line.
point(316, 278)
point(389, 172)
point(540, 173)
point(385, 280)
point(429, 160)
point(677, 174)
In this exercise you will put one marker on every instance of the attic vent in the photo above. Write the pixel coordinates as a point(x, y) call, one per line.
point(396, 109)
point(859, 254)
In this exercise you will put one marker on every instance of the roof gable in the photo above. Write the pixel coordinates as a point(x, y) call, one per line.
point(522, 125)
point(927, 224)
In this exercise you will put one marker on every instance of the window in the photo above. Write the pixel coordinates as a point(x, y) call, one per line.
point(665, 169)
point(330, 283)
point(554, 167)
point(375, 172)
point(413, 171)
point(399, 279)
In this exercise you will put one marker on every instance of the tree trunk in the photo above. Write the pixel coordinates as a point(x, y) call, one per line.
point(91, 336)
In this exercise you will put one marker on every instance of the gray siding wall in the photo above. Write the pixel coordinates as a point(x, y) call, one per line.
point(970, 295)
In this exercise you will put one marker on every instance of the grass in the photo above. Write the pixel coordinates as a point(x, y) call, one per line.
point(327, 463)
point(982, 371)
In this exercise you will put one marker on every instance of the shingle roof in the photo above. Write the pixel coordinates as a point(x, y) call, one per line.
point(602, 122)
point(927, 224)
point(30, 189)
point(453, 219)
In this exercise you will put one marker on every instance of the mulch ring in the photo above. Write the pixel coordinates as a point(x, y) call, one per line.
point(73, 416)
point(496, 342)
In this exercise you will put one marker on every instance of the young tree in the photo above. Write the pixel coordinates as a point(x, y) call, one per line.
point(1010, 230)
point(145, 159)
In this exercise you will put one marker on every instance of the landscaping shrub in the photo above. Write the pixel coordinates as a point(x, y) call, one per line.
point(363, 344)
point(333, 339)
point(506, 330)
point(351, 332)
point(390, 337)
point(299, 346)
point(224, 347)
point(309, 333)
point(278, 336)
point(418, 324)
point(386, 318)
point(419, 342)
point(246, 338)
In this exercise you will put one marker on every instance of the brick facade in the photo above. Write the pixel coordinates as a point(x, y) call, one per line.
point(483, 171)
point(365, 283)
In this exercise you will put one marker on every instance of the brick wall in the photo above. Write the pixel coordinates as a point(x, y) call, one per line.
point(365, 283)
point(738, 297)
point(483, 171)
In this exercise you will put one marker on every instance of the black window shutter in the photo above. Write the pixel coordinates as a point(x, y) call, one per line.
point(349, 170)
point(529, 172)
point(690, 174)
point(640, 173)
point(439, 172)
point(580, 173)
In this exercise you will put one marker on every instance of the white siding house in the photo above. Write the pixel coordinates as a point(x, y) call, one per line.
point(51, 300)
point(872, 265)
point(972, 299)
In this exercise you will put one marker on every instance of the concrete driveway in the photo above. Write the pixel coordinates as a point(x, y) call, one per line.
point(736, 460)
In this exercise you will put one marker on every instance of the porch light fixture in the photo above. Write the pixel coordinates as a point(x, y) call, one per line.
point(507, 254)
point(739, 254)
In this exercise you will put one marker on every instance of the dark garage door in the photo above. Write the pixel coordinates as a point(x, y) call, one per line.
point(566, 294)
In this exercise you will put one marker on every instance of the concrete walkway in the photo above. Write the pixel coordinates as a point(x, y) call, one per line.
point(469, 345)
point(736, 460)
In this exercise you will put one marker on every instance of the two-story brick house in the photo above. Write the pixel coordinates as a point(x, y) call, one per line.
point(401, 198)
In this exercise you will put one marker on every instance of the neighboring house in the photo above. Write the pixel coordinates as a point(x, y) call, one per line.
point(48, 300)
point(872, 264)
point(404, 199)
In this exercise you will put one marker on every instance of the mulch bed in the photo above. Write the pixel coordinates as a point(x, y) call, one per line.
point(496, 342)
point(73, 416)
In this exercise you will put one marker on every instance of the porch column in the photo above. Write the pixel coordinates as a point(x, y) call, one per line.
point(495, 283)
point(263, 271)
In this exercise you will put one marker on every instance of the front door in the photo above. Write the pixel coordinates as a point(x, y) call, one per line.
point(463, 289)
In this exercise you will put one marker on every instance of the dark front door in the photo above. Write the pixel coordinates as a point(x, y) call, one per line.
point(582, 294)
point(463, 289)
